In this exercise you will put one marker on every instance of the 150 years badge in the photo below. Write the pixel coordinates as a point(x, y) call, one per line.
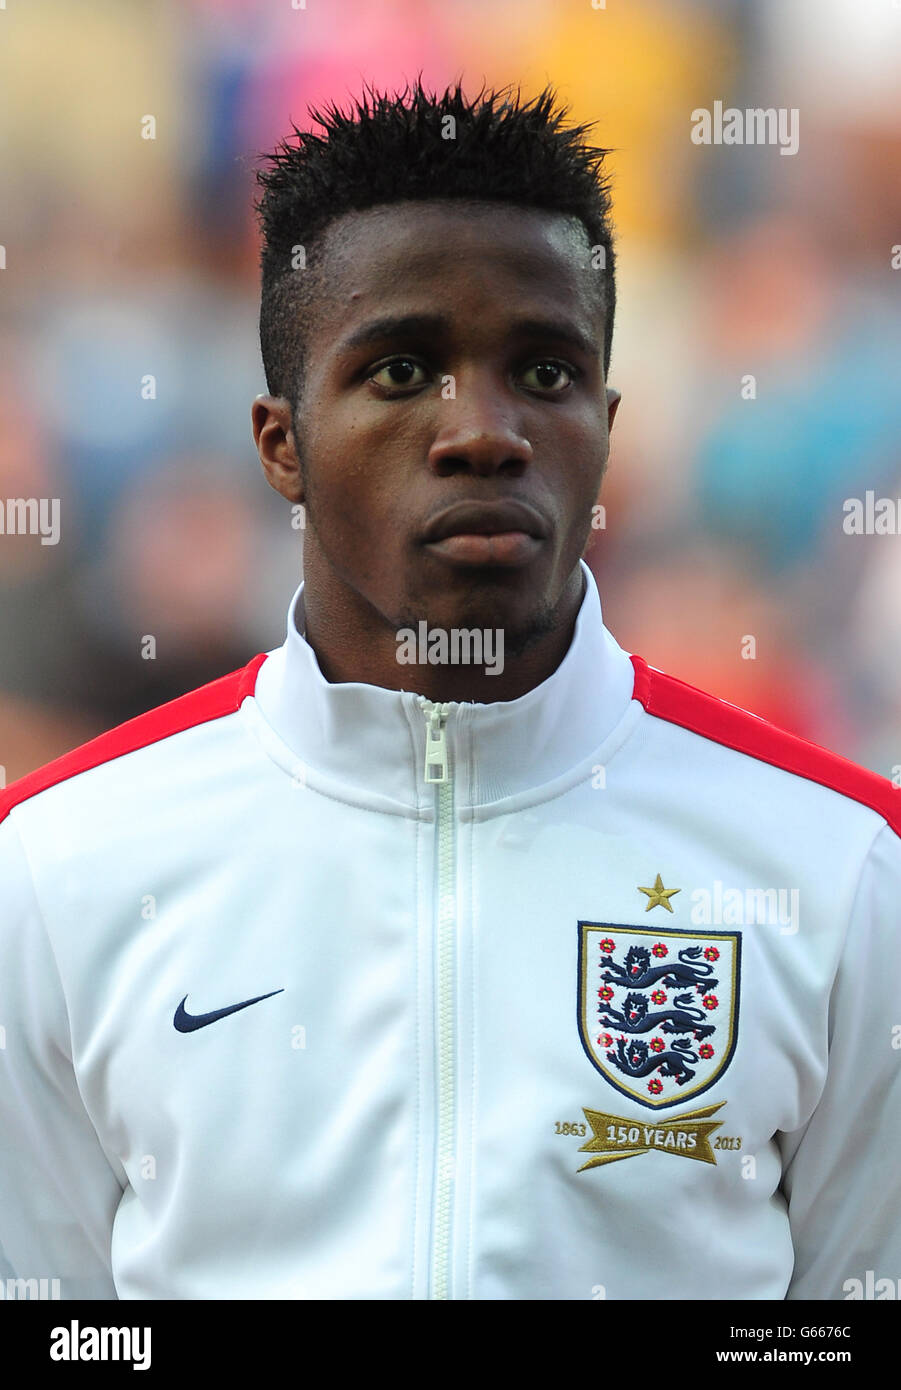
point(658, 1010)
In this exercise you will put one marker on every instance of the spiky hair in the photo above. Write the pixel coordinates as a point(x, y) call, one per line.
point(389, 149)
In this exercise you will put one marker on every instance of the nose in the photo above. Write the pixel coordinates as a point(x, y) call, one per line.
point(479, 434)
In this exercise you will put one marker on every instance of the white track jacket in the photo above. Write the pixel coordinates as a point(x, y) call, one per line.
point(318, 991)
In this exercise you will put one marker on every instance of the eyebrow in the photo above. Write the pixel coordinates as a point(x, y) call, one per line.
point(410, 325)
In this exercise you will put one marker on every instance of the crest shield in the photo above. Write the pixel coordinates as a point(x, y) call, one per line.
point(658, 1009)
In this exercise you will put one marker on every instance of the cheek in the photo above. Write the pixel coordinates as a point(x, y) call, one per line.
point(350, 510)
point(577, 500)
point(364, 476)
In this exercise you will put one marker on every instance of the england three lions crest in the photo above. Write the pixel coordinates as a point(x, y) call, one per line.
point(658, 1010)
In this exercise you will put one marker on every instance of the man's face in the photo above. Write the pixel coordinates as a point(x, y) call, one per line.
point(454, 361)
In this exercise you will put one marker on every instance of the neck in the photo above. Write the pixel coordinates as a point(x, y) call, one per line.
point(352, 642)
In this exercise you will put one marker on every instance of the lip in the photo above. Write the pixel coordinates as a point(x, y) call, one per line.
point(486, 519)
point(496, 550)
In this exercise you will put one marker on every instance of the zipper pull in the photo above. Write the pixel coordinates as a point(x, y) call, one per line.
point(435, 741)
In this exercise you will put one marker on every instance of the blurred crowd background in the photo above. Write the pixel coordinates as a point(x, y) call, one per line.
point(126, 256)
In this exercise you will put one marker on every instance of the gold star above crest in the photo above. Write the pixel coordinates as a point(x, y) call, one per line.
point(658, 896)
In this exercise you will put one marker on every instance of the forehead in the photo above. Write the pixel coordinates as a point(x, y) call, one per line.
point(440, 249)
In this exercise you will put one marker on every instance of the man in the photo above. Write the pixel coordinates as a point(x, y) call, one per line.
point(447, 951)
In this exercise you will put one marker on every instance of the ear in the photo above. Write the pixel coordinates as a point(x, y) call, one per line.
point(273, 434)
point(613, 400)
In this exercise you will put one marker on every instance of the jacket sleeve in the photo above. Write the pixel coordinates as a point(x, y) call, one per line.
point(58, 1192)
point(841, 1173)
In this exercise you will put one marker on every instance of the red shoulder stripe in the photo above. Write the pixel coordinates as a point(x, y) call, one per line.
point(671, 699)
point(211, 701)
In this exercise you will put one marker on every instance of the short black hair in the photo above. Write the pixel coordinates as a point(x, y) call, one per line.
point(389, 149)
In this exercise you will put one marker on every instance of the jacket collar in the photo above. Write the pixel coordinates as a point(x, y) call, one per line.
point(368, 744)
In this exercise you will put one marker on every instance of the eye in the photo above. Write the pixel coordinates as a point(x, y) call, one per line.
point(398, 373)
point(548, 374)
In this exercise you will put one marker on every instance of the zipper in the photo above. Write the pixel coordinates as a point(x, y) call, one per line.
point(437, 773)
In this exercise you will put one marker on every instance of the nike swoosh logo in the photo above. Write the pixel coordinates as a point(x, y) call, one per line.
point(189, 1023)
